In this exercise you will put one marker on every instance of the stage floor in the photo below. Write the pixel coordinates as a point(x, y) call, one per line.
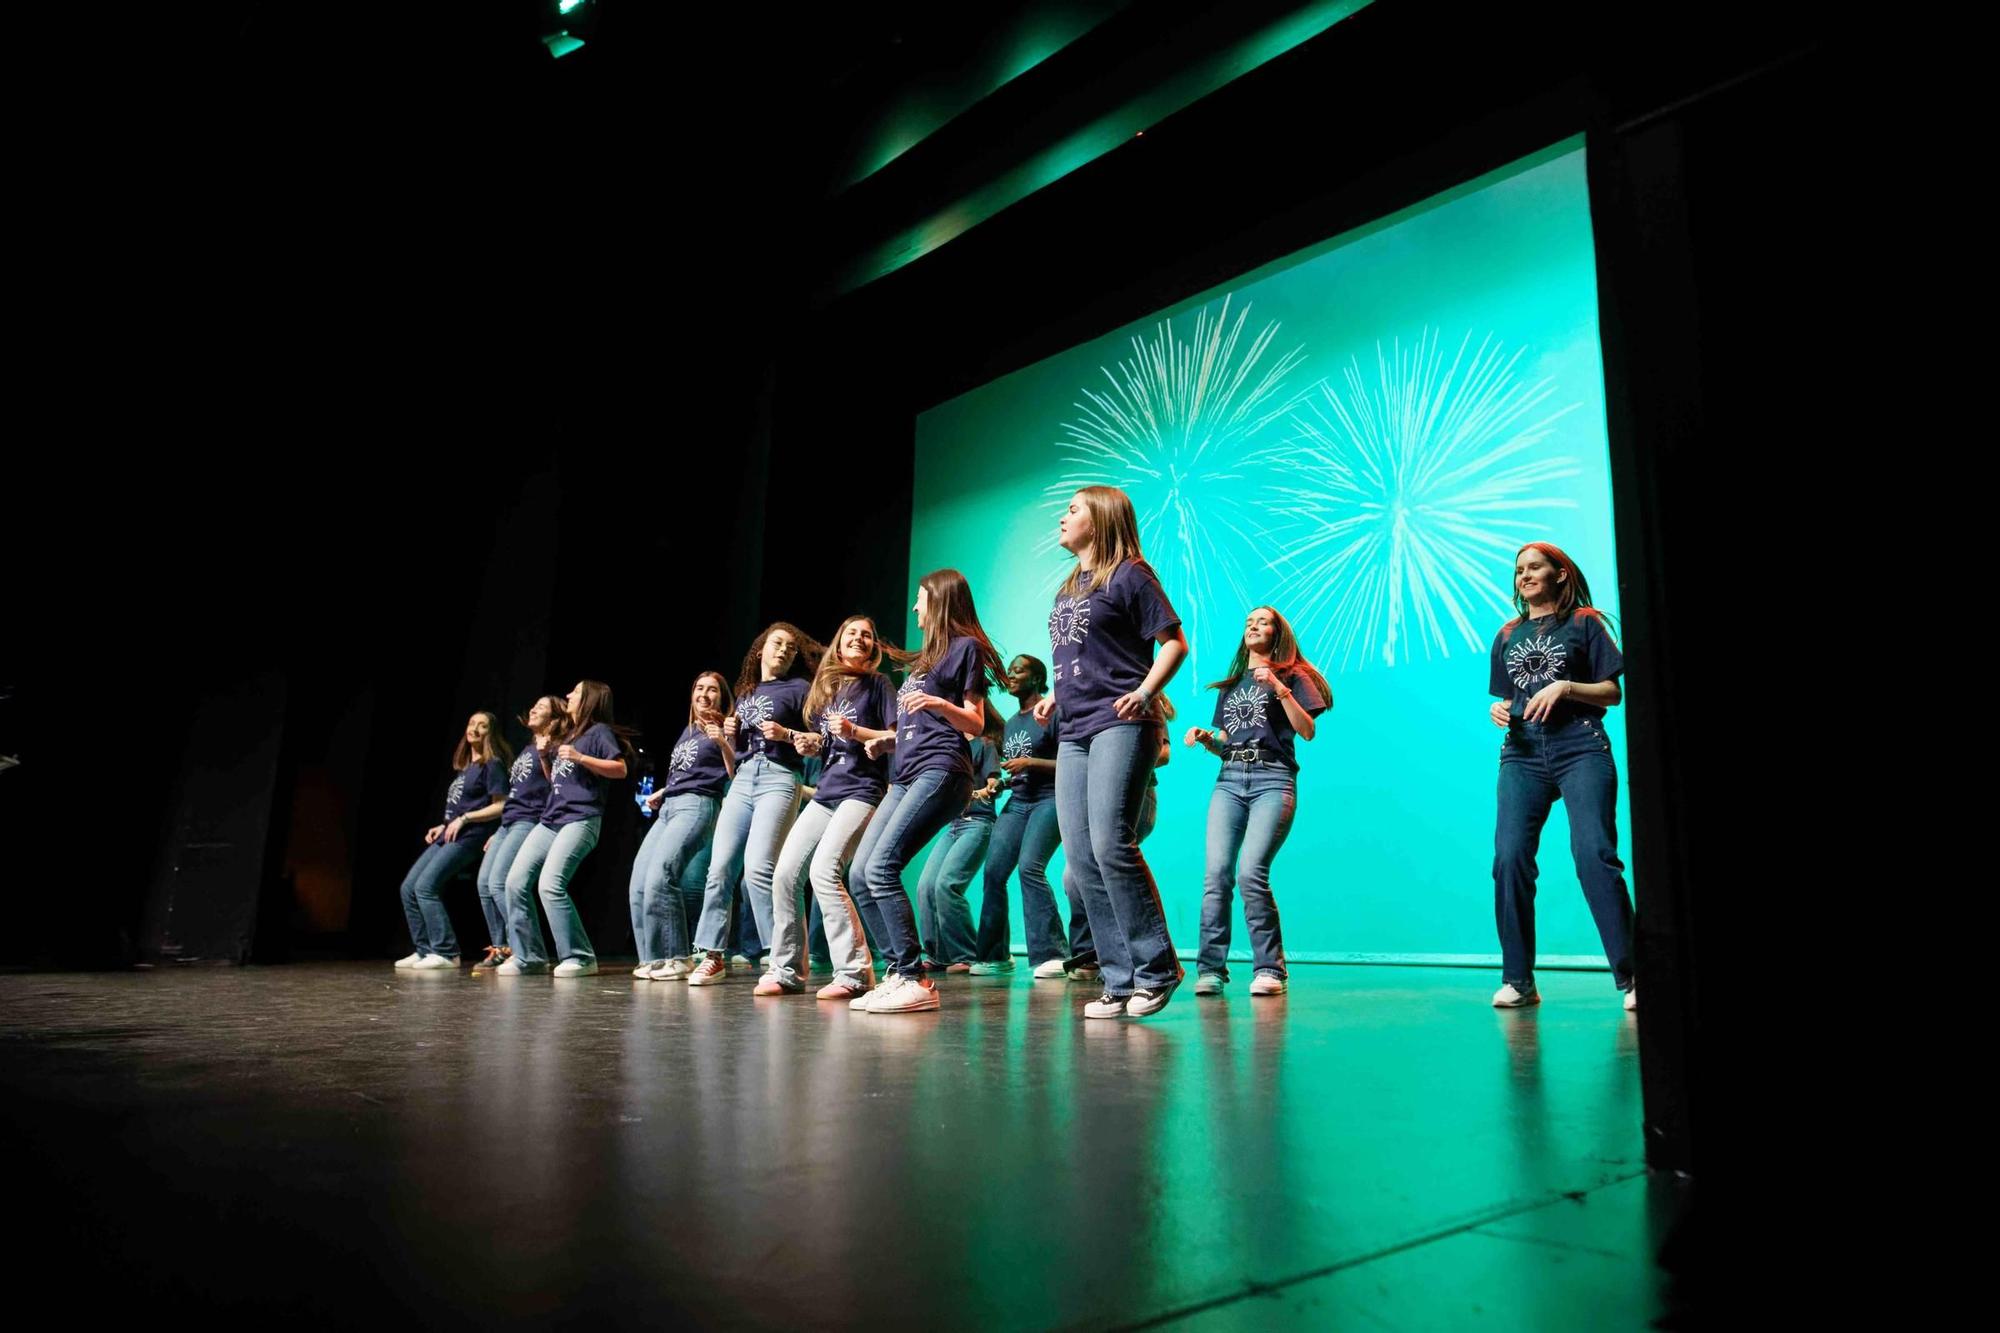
point(340, 1142)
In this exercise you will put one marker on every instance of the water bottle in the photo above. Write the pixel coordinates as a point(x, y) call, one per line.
point(645, 790)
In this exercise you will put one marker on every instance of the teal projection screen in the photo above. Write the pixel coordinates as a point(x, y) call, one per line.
point(1362, 435)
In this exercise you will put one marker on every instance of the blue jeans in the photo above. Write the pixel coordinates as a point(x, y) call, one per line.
point(1083, 949)
point(1540, 764)
point(943, 915)
point(501, 849)
point(436, 866)
point(910, 815)
point(545, 864)
point(1025, 836)
point(1249, 815)
point(681, 829)
point(1101, 786)
point(763, 800)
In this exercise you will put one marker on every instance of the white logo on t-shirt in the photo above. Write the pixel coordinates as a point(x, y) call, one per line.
point(1536, 661)
point(683, 755)
point(1070, 621)
point(1018, 745)
point(1244, 709)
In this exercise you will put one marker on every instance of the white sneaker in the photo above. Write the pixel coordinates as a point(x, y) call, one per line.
point(1053, 970)
point(569, 967)
point(674, 969)
point(432, 962)
point(998, 968)
point(644, 971)
point(1143, 1002)
point(411, 961)
point(1207, 984)
point(1105, 1006)
point(709, 972)
point(1509, 998)
point(511, 968)
point(1632, 999)
point(909, 998)
point(1088, 973)
point(1266, 984)
point(862, 1001)
point(737, 960)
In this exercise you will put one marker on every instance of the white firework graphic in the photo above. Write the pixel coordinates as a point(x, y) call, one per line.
point(457, 789)
point(753, 710)
point(1018, 745)
point(840, 710)
point(913, 685)
point(1244, 709)
point(683, 754)
point(563, 768)
point(1178, 430)
point(1069, 622)
point(523, 762)
point(1536, 661)
point(1410, 492)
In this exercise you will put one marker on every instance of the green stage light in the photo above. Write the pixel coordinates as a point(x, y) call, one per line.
point(566, 24)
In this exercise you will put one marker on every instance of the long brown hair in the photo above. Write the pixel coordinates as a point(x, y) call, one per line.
point(953, 616)
point(834, 674)
point(595, 707)
point(722, 687)
point(1574, 598)
point(496, 744)
point(1114, 536)
point(1284, 654)
point(804, 662)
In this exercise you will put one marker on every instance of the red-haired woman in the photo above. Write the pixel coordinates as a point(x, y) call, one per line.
point(1555, 670)
point(1269, 699)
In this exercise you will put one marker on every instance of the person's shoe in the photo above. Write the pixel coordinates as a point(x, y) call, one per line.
point(929, 965)
point(909, 998)
point(490, 961)
point(433, 962)
point(1089, 973)
point(569, 967)
point(1209, 984)
point(1053, 970)
point(995, 968)
point(710, 971)
point(511, 968)
point(861, 1002)
point(1266, 984)
point(673, 969)
point(959, 967)
point(770, 985)
point(1632, 1000)
point(1143, 1002)
point(737, 960)
point(1106, 1005)
point(1509, 998)
point(411, 961)
point(841, 990)
point(644, 971)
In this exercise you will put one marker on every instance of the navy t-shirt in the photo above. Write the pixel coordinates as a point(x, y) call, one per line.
point(1101, 643)
point(985, 762)
point(576, 793)
point(1533, 653)
point(1026, 738)
point(1255, 718)
point(474, 789)
point(694, 765)
point(779, 701)
point(925, 740)
point(848, 774)
point(528, 789)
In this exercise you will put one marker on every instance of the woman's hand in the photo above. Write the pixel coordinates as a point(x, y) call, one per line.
point(1045, 709)
point(1199, 736)
point(657, 799)
point(454, 828)
point(566, 752)
point(433, 835)
point(842, 727)
point(1544, 703)
point(807, 742)
point(1133, 705)
point(920, 702)
point(1499, 713)
point(876, 748)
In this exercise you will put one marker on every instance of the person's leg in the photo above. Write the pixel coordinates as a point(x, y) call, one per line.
point(1525, 798)
point(1228, 813)
point(1273, 802)
point(846, 942)
point(689, 822)
point(1587, 776)
point(524, 927)
point(645, 868)
point(929, 927)
point(788, 937)
point(1041, 922)
point(725, 864)
point(413, 910)
point(573, 842)
point(1103, 945)
point(777, 805)
point(1121, 758)
point(1003, 853)
point(956, 934)
point(928, 802)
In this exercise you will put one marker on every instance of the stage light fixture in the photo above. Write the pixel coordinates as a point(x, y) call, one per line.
point(567, 24)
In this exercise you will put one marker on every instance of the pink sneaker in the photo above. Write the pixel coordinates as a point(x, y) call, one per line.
point(841, 990)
